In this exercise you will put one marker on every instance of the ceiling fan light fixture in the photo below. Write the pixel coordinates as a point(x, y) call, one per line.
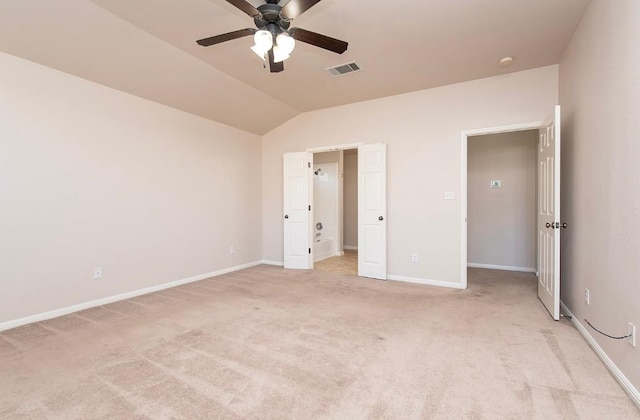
point(264, 42)
point(259, 52)
point(285, 43)
point(279, 54)
point(274, 39)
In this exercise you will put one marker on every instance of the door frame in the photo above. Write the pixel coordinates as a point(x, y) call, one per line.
point(463, 181)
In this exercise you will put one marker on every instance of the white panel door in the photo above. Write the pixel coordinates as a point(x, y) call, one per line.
point(372, 211)
point(549, 223)
point(296, 215)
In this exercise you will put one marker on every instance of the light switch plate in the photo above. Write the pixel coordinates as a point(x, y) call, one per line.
point(449, 195)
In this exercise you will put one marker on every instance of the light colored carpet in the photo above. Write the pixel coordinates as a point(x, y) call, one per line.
point(269, 343)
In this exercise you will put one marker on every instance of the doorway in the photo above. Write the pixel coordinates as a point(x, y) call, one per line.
point(372, 208)
point(335, 215)
point(465, 135)
point(547, 205)
point(501, 201)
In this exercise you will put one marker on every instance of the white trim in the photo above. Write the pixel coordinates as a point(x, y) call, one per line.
point(502, 267)
point(335, 148)
point(278, 263)
point(504, 128)
point(427, 282)
point(631, 390)
point(463, 210)
point(351, 247)
point(463, 182)
point(128, 295)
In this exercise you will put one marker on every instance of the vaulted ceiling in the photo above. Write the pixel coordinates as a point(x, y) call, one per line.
point(147, 48)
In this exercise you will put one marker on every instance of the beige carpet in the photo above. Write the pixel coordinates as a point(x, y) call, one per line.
point(268, 343)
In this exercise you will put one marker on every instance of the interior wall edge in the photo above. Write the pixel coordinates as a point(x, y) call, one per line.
point(268, 262)
point(7, 325)
point(426, 282)
point(502, 267)
point(628, 387)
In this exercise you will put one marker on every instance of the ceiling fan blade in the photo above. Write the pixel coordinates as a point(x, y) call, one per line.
point(245, 7)
point(295, 8)
point(273, 66)
point(226, 37)
point(319, 40)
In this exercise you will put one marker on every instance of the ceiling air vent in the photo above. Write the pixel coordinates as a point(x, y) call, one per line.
point(343, 69)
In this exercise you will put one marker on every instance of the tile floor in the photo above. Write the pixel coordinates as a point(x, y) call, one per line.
point(346, 264)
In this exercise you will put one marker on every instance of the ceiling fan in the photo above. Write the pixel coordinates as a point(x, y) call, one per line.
point(272, 22)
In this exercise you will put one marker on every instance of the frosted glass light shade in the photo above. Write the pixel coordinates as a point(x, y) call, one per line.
point(264, 42)
point(259, 52)
point(278, 54)
point(286, 43)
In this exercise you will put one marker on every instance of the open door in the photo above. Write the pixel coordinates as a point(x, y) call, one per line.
point(549, 214)
point(297, 210)
point(372, 211)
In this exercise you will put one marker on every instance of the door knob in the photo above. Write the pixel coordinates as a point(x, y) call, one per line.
point(556, 225)
point(286, 216)
point(380, 218)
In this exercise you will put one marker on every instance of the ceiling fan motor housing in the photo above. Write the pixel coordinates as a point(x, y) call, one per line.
point(270, 14)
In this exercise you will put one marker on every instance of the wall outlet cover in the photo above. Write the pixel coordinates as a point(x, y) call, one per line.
point(587, 296)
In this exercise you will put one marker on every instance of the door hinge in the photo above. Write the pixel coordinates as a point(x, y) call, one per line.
point(309, 207)
point(308, 164)
point(309, 250)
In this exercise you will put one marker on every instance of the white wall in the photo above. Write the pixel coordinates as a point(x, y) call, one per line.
point(90, 176)
point(600, 98)
point(423, 133)
point(325, 200)
point(350, 178)
point(333, 157)
point(502, 221)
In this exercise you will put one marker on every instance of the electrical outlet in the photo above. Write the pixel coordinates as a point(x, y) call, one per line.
point(232, 250)
point(97, 273)
point(414, 257)
point(587, 296)
point(632, 335)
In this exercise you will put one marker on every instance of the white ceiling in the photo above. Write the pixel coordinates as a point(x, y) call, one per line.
point(147, 48)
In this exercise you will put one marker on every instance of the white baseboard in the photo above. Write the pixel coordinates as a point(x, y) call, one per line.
point(278, 263)
point(128, 295)
point(428, 282)
point(631, 390)
point(350, 247)
point(502, 267)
